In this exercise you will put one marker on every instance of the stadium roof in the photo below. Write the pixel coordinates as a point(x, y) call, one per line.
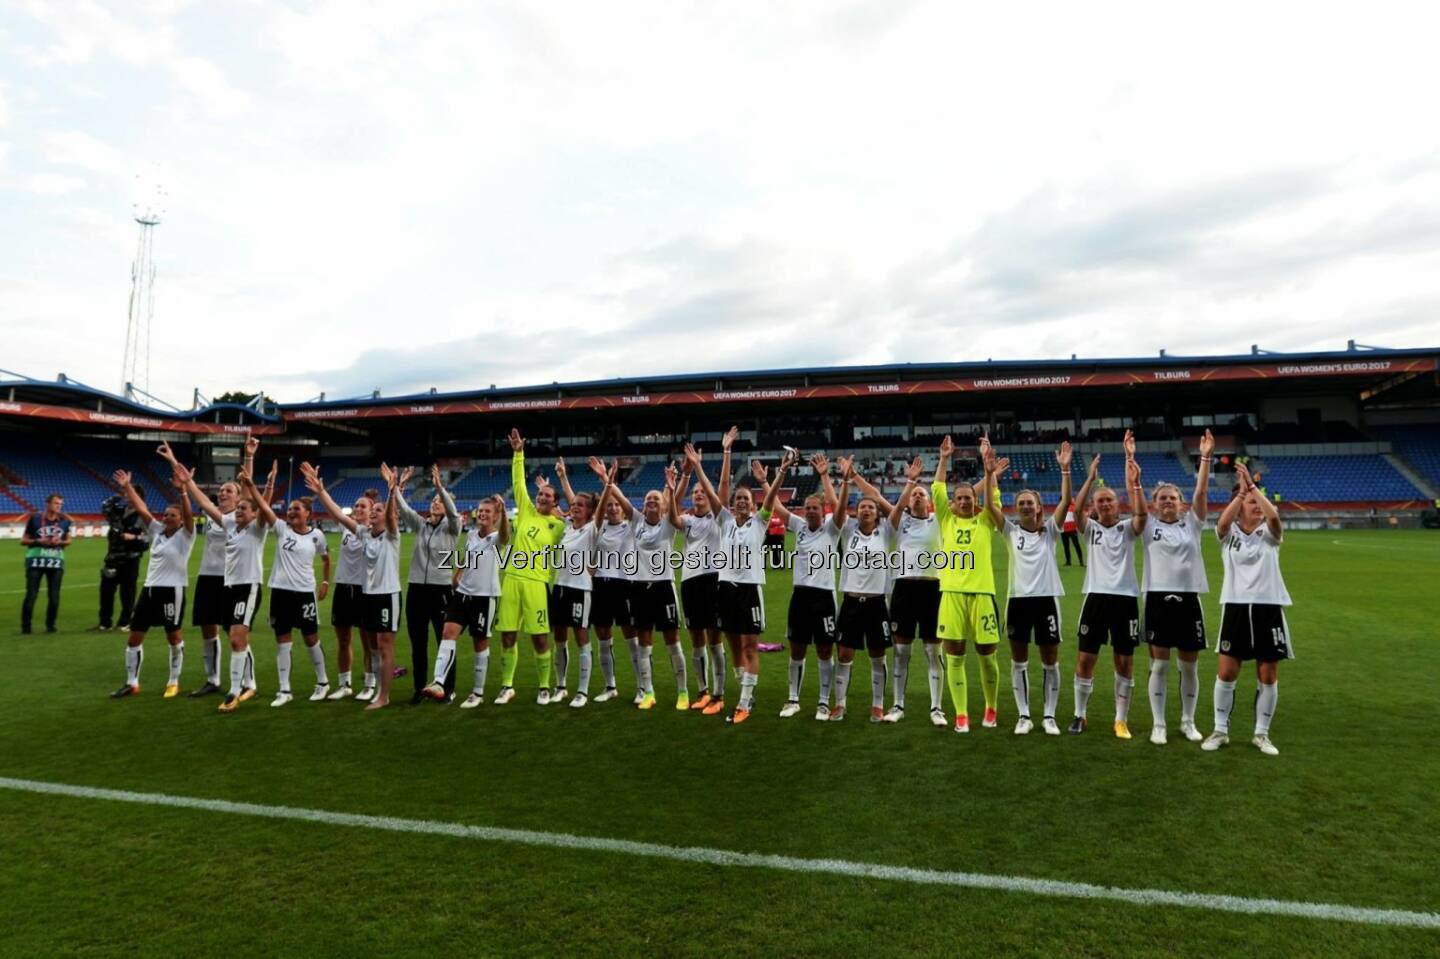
point(69, 400)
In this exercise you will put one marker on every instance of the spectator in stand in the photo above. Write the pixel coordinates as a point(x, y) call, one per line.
point(128, 538)
point(45, 538)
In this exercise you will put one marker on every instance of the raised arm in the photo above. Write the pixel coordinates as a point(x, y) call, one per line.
point(1082, 500)
point(677, 495)
point(395, 482)
point(502, 514)
point(726, 442)
point(269, 491)
point(563, 474)
point(842, 499)
point(179, 479)
point(1200, 500)
point(772, 492)
point(1237, 502)
point(942, 465)
point(612, 488)
point(993, 507)
point(252, 445)
point(1271, 511)
point(523, 504)
point(206, 506)
point(408, 517)
point(247, 482)
point(1062, 458)
point(912, 480)
point(1136, 494)
point(869, 489)
point(314, 484)
point(122, 480)
point(692, 456)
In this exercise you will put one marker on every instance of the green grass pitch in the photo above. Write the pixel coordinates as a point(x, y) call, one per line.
point(1347, 813)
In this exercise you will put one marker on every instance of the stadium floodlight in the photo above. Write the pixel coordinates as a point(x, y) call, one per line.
point(148, 209)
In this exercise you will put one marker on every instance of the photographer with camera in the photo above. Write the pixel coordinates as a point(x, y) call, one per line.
point(127, 543)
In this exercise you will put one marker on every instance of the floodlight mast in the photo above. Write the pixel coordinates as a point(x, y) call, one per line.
point(147, 211)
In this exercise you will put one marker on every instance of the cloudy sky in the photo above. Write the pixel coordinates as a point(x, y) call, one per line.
point(426, 193)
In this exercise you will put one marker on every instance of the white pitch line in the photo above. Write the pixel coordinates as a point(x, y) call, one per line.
point(721, 857)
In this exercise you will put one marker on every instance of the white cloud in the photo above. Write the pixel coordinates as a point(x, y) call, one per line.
point(380, 193)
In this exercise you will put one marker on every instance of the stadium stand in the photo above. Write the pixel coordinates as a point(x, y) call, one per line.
point(1335, 479)
point(1419, 445)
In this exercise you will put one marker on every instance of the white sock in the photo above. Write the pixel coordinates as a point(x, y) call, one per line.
point(177, 663)
point(879, 672)
point(134, 656)
point(634, 644)
point(682, 672)
point(644, 669)
point(842, 682)
point(1020, 684)
point(698, 660)
point(1052, 689)
point(1083, 689)
point(237, 673)
point(482, 666)
point(1123, 687)
point(1265, 699)
point(583, 684)
point(607, 662)
point(1159, 686)
point(748, 682)
point(935, 674)
point(1189, 691)
point(562, 665)
point(1224, 703)
point(902, 672)
point(317, 660)
point(282, 665)
point(827, 679)
point(250, 668)
point(717, 670)
point(210, 650)
point(797, 676)
point(444, 659)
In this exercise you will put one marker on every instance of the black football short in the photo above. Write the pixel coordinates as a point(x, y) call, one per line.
point(1174, 621)
point(1109, 618)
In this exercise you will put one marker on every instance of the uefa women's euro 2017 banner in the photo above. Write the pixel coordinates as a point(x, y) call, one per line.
point(1059, 380)
point(137, 421)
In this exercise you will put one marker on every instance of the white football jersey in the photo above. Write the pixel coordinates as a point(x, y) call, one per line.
point(816, 552)
point(575, 550)
point(244, 552)
point(212, 555)
point(863, 568)
point(350, 568)
point(1111, 566)
point(1173, 563)
point(652, 549)
point(295, 554)
point(916, 537)
point(1033, 570)
point(1252, 567)
point(169, 556)
point(743, 548)
point(702, 545)
point(481, 573)
point(615, 544)
point(382, 562)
